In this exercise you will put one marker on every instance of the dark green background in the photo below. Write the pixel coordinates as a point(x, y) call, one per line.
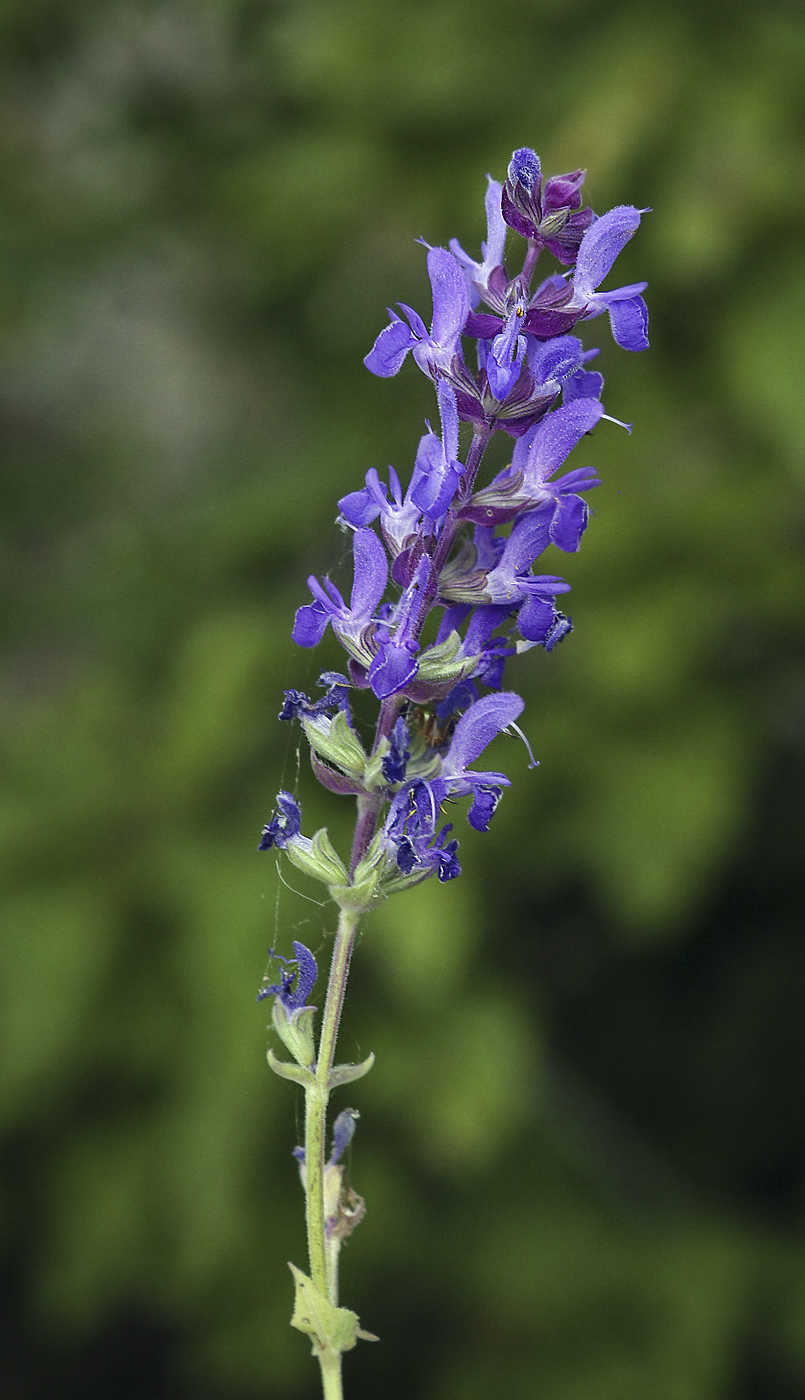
point(583, 1144)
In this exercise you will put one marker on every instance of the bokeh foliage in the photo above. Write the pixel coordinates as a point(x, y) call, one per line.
point(582, 1146)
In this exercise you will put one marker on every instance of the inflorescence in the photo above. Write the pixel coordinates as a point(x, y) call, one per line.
point(445, 543)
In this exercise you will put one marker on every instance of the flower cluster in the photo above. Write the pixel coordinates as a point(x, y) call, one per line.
point(501, 357)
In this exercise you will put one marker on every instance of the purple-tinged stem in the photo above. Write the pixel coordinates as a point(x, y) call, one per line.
point(370, 804)
point(453, 523)
point(530, 263)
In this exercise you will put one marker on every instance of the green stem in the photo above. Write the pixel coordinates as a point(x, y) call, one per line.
point(336, 987)
point(315, 1113)
point(316, 1099)
point(330, 1362)
point(369, 805)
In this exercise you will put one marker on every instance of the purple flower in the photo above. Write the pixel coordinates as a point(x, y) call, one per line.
point(400, 518)
point(525, 375)
point(434, 350)
point(350, 624)
point(298, 704)
point(315, 857)
point(528, 364)
point(551, 367)
point(478, 274)
point(285, 824)
point(551, 443)
point(512, 582)
point(506, 354)
point(412, 818)
point(409, 831)
point(551, 217)
point(437, 855)
point(478, 726)
point(437, 468)
point(562, 300)
point(343, 1133)
point(628, 314)
point(525, 485)
point(395, 664)
point(297, 977)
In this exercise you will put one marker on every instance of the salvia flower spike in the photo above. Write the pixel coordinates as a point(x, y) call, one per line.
point(503, 353)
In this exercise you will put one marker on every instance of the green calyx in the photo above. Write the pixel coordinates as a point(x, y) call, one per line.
point(333, 740)
point(396, 881)
point(441, 664)
point(317, 857)
point(295, 1030)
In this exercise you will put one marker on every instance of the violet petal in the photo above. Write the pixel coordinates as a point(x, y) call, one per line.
point(601, 244)
point(478, 726)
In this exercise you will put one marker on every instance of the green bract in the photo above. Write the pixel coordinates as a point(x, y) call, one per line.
point(332, 1329)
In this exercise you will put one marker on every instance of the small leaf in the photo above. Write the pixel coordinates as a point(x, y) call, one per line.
point(345, 1074)
point(334, 1329)
point(293, 1072)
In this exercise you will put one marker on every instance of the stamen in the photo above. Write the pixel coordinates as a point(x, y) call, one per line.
point(534, 761)
point(610, 419)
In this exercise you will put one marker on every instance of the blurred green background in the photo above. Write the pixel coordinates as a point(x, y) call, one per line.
point(583, 1144)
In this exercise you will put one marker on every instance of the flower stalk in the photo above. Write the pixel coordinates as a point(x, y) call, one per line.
point(468, 550)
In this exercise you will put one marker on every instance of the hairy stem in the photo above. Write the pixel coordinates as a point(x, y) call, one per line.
point(336, 987)
point(316, 1099)
point(369, 805)
point(330, 1362)
point(530, 263)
